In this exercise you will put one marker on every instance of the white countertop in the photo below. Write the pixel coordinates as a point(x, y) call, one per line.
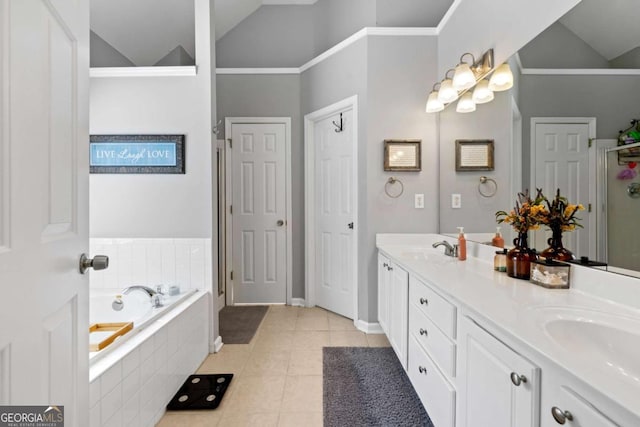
point(513, 306)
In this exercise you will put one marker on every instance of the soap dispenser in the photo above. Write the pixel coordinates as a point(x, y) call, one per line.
point(497, 240)
point(462, 245)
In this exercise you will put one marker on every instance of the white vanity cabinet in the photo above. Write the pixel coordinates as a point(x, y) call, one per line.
point(563, 402)
point(432, 351)
point(393, 293)
point(498, 387)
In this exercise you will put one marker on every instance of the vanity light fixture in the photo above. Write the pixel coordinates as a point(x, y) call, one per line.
point(447, 92)
point(464, 78)
point(501, 79)
point(482, 94)
point(466, 104)
point(433, 103)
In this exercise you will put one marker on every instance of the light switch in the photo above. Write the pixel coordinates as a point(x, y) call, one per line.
point(419, 201)
point(456, 201)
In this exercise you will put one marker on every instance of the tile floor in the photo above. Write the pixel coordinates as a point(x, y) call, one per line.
point(278, 376)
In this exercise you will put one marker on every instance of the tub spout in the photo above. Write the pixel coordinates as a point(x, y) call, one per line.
point(155, 298)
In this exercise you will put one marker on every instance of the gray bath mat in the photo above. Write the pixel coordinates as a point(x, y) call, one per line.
point(368, 387)
point(238, 324)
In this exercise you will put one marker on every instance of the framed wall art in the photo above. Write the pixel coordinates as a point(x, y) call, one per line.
point(402, 155)
point(474, 155)
point(137, 154)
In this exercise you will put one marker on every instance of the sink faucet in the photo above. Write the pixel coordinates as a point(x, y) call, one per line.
point(154, 295)
point(448, 249)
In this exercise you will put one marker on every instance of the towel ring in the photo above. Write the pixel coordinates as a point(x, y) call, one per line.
point(484, 180)
point(392, 181)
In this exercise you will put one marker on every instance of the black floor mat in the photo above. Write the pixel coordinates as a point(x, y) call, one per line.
point(200, 392)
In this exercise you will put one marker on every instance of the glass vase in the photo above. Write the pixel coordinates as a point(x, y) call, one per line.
point(519, 258)
point(556, 250)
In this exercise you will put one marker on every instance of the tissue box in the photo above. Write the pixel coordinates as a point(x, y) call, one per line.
point(550, 274)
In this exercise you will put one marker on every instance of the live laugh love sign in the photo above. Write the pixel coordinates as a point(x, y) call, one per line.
point(137, 154)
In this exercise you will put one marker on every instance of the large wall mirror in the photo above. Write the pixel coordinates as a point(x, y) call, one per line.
point(583, 69)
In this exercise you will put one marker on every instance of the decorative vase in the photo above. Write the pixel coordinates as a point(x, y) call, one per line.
point(519, 258)
point(556, 250)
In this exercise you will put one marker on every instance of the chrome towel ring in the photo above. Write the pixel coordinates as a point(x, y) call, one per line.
point(391, 181)
point(491, 191)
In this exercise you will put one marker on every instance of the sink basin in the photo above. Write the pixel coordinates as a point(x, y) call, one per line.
point(608, 341)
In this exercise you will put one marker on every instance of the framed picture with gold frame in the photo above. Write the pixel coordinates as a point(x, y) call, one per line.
point(402, 155)
point(474, 155)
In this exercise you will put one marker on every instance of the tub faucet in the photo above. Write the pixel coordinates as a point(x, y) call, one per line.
point(155, 296)
point(448, 249)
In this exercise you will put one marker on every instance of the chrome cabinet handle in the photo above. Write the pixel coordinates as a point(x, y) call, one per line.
point(517, 379)
point(98, 262)
point(385, 265)
point(424, 301)
point(389, 268)
point(561, 416)
point(422, 370)
point(280, 223)
point(423, 331)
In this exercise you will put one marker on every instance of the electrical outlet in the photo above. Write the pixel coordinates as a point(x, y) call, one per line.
point(456, 201)
point(419, 201)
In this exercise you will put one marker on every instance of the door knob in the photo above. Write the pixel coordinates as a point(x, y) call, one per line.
point(280, 223)
point(350, 225)
point(517, 379)
point(561, 416)
point(98, 262)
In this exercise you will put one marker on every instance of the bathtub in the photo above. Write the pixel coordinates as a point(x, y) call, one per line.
point(137, 308)
point(132, 379)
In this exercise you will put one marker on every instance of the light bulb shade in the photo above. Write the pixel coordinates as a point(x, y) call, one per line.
point(466, 104)
point(482, 94)
point(501, 79)
point(433, 103)
point(463, 77)
point(447, 93)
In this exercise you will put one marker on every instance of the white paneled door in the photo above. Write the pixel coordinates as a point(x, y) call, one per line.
point(562, 161)
point(258, 213)
point(334, 213)
point(44, 53)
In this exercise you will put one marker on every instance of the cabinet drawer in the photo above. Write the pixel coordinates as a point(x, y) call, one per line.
point(435, 392)
point(440, 311)
point(434, 341)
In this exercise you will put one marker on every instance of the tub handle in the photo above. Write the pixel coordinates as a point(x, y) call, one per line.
point(98, 262)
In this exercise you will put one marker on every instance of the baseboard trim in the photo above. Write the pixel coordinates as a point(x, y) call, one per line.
point(369, 328)
point(217, 345)
point(298, 302)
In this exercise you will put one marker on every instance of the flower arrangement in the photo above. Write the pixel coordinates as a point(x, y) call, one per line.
point(527, 214)
point(559, 214)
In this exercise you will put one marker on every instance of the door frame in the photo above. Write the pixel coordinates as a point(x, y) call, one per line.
point(591, 122)
point(228, 123)
point(310, 121)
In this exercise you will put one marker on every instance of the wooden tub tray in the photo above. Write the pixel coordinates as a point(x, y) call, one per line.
point(116, 329)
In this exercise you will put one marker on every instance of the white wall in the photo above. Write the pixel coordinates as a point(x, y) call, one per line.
point(157, 205)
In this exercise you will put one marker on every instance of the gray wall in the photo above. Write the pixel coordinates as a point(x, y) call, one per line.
point(630, 59)
point(559, 47)
point(104, 55)
point(289, 36)
point(612, 100)
point(272, 96)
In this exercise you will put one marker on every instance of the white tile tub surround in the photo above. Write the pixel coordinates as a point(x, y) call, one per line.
point(183, 262)
point(132, 385)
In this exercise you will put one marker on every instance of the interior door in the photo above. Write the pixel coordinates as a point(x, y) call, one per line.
point(44, 178)
point(562, 161)
point(259, 213)
point(335, 198)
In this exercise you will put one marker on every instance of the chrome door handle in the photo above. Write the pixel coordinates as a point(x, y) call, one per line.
point(98, 262)
point(280, 223)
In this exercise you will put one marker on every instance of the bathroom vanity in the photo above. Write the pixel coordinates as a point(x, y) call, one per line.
point(482, 349)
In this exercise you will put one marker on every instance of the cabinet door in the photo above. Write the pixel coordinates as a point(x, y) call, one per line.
point(498, 387)
point(398, 312)
point(383, 292)
point(562, 405)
